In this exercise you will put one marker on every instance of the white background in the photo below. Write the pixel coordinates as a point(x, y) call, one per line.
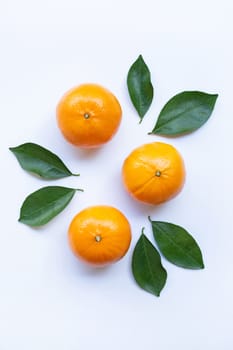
point(50, 300)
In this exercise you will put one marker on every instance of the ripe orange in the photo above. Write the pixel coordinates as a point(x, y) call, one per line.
point(99, 235)
point(88, 115)
point(154, 173)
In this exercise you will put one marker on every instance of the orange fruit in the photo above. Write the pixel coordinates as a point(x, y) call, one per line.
point(99, 235)
point(88, 115)
point(154, 173)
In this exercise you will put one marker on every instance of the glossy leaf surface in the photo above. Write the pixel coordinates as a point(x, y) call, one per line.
point(40, 161)
point(177, 245)
point(147, 269)
point(184, 113)
point(140, 87)
point(43, 205)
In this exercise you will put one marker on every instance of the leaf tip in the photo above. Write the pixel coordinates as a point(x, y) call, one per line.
point(11, 149)
point(202, 265)
point(79, 189)
point(20, 219)
point(199, 266)
point(149, 218)
point(216, 97)
point(153, 132)
point(143, 231)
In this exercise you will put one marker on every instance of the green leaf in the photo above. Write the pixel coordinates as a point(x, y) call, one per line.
point(147, 268)
point(43, 205)
point(177, 245)
point(184, 113)
point(40, 161)
point(140, 87)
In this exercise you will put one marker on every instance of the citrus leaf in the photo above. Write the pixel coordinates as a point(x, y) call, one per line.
point(43, 205)
point(40, 161)
point(147, 269)
point(140, 87)
point(177, 245)
point(184, 113)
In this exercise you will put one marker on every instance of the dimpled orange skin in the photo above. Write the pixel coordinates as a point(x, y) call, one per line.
point(88, 115)
point(154, 173)
point(99, 235)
